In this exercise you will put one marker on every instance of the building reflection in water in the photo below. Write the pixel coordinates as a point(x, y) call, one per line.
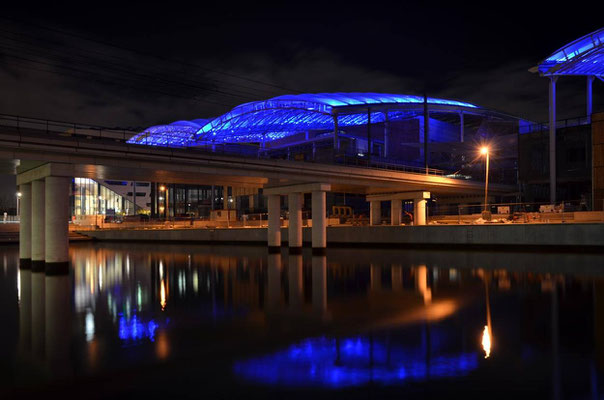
point(434, 313)
point(353, 361)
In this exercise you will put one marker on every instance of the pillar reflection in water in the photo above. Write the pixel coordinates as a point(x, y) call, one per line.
point(319, 283)
point(422, 283)
point(274, 281)
point(397, 277)
point(25, 310)
point(58, 325)
point(375, 278)
point(295, 281)
point(37, 313)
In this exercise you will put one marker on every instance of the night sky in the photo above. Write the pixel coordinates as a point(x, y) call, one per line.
point(140, 65)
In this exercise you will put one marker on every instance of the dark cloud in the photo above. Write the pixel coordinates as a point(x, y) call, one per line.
point(471, 55)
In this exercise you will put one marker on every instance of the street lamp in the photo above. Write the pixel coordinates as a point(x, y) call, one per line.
point(18, 203)
point(484, 150)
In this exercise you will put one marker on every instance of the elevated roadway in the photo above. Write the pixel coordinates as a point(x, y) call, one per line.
point(110, 158)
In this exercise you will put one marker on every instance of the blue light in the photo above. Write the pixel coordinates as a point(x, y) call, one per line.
point(318, 362)
point(176, 134)
point(290, 114)
point(584, 56)
point(134, 329)
point(282, 116)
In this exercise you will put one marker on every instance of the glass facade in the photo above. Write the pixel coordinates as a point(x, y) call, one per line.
point(92, 198)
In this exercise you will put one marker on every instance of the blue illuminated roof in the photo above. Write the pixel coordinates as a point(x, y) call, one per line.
point(584, 56)
point(287, 115)
point(176, 134)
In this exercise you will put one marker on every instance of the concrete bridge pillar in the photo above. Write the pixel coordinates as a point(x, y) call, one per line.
point(25, 226)
point(294, 201)
point(274, 223)
point(375, 212)
point(396, 209)
point(37, 225)
point(319, 222)
point(57, 228)
point(419, 211)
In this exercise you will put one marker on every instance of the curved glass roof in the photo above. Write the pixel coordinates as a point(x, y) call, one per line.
point(286, 115)
point(176, 134)
point(584, 56)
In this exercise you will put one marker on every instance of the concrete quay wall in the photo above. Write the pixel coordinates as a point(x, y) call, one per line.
point(565, 235)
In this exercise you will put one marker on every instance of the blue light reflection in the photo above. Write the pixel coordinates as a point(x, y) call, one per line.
point(357, 361)
point(134, 329)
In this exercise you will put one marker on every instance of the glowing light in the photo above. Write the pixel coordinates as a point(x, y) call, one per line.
point(195, 281)
point(89, 329)
point(352, 362)
point(283, 116)
point(162, 188)
point(162, 295)
point(484, 150)
point(134, 329)
point(584, 56)
point(486, 341)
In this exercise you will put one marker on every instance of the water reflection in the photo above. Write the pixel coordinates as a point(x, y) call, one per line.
point(345, 319)
point(355, 361)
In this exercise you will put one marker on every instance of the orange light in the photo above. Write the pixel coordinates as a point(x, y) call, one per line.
point(162, 188)
point(162, 295)
point(486, 341)
point(484, 150)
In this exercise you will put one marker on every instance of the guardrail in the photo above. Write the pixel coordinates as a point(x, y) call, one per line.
point(246, 150)
point(509, 210)
point(64, 128)
point(544, 126)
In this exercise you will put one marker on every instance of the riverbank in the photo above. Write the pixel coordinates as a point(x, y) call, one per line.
point(530, 236)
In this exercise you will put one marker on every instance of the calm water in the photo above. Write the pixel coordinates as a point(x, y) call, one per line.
point(223, 322)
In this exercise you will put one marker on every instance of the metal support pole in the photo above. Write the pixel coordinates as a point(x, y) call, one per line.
point(426, 132)
point(486, 185)
point(461, 127)
point(386, 134)
point(336, 140)
point(552, 139)
point(590, 81)
point(368, 134)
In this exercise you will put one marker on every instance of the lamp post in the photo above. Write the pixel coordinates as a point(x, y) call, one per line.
point(484, 150)
point(18, 194)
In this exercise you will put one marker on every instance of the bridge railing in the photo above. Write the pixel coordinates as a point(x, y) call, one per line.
point(63, 128)
point(378, 164)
